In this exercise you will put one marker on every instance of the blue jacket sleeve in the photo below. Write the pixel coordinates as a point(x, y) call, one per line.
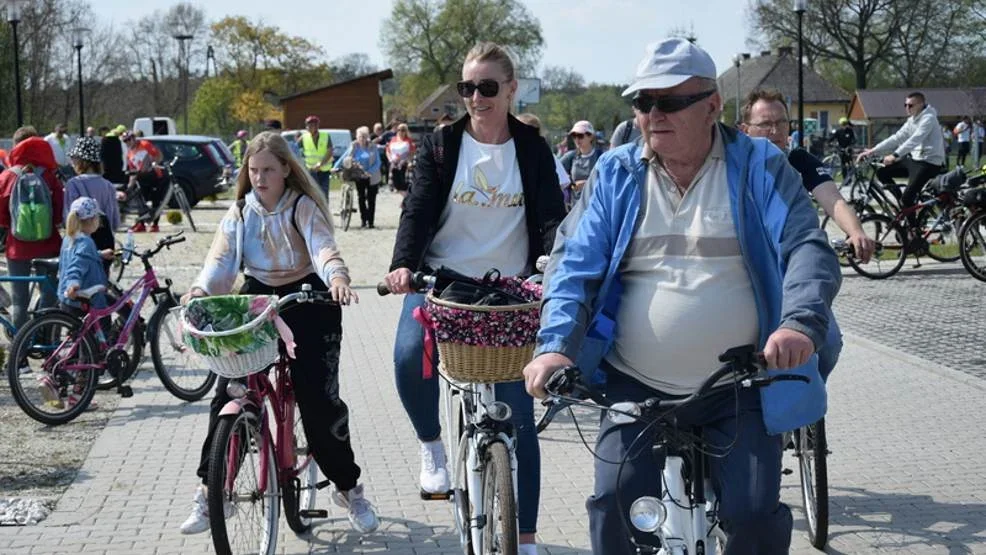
point(579, 262)
point(809, 265)
point(338, 164)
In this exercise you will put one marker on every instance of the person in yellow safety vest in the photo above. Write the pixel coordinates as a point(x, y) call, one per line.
point(317, 150)
point(238, 147)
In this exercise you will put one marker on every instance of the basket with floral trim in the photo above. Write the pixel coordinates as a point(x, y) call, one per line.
point(236, 335)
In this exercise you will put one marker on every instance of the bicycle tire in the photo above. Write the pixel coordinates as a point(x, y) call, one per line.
point(185, 207)
point(240, 434)
point(347, 207)
point(972, 245)
point(833, 234)
point(891, 241)
point(812, 449)
point(135, 350)
point(499, 503)
point(24, 347)
point(943, 240)
point(200, 380)
point(165, 203)
point(461, 501)
point(299, 494)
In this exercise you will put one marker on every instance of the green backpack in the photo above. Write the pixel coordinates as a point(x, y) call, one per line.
point(30, 205)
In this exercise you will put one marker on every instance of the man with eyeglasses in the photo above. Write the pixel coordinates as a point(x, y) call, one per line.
point(915, 151)
point(691, 241)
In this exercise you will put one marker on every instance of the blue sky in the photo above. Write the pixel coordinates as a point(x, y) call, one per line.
point(602, 39)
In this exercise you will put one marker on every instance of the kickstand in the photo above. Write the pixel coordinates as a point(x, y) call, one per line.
point(125, 391)
point(917, 262)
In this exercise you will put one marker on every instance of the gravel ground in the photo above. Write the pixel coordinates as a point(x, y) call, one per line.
point(39, 462)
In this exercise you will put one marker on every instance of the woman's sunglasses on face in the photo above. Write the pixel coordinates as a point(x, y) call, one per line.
point(486, 87)
point(580, 135)
point(668, 104)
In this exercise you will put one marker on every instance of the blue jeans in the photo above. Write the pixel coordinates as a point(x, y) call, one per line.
point(746, 481)
point(420, 398)
point(20, 292)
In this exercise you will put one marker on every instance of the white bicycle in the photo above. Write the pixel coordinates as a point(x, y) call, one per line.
point(685, 518)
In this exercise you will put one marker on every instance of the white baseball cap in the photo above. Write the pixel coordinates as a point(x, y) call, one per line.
point(669, 63)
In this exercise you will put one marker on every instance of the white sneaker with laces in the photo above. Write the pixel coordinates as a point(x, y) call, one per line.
point(198, 521)
point(434, 475)
point(361, 514)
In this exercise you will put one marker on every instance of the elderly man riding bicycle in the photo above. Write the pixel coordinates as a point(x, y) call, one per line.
point(695, 239)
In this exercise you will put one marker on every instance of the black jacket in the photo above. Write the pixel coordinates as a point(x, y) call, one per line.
point(435, 165)
point(111, 155)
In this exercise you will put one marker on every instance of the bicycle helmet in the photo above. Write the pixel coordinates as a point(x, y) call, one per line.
point(311, 119)
point(843, 120)
point(126, 136)
point(241, 134)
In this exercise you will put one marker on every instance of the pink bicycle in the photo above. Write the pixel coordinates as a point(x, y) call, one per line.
point(66, 354)
point(252, 471)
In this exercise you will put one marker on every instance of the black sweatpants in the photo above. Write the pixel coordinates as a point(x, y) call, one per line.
point(917, 172)
point(315, 374)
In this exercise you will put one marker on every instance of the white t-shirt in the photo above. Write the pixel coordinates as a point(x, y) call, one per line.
point(962, 131)
point(484, 224)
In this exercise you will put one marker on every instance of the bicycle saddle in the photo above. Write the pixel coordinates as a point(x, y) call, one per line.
point(90, 292)
point(45, 265)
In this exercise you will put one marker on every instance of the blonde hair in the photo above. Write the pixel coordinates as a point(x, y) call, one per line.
point(362, 131)
point(403, 127)
point(297, 178)
point(492, 52)
point(74, 224)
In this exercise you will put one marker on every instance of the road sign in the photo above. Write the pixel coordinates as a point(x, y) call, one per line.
point(528, 91)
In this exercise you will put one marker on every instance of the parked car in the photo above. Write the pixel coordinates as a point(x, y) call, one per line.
point(204, 166)
point(341, 139)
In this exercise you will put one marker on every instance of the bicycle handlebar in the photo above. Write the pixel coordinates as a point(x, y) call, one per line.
point(420, 282)
point(306, 295)
point(748, 365)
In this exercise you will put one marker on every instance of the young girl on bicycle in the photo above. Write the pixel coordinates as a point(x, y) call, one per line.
point(287, 241)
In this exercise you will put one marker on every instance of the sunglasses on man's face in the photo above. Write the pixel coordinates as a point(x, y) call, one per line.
point(486, 87)
point(668, 104)
point(580, 135)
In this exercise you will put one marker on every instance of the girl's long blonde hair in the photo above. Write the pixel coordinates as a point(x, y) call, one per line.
point(297, 179)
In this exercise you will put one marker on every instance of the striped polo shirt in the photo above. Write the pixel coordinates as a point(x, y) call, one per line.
point(687, 295)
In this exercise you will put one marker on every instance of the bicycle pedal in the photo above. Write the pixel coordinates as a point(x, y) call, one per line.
point(125, 391)
point(429, 496)
point(787, 472)
point(314, 513)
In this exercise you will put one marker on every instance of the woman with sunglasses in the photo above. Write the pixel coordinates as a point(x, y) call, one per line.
point(580, 161)
point(485, 196)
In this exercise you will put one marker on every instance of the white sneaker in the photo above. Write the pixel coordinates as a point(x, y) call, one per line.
point(361, 514)
point(434, 475)
point(198, 521)
point(527, 549)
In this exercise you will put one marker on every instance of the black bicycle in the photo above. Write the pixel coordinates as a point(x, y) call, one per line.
point(174, 197)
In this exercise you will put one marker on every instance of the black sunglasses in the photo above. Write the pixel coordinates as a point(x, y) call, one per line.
point(580, 135)
point(486, 87)
point(668, 104)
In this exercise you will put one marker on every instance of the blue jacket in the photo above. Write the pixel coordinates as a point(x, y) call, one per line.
point(793, 271)
point(79, 263)
point(368, 158)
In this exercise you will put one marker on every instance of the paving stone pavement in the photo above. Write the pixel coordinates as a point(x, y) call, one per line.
point(906, 468)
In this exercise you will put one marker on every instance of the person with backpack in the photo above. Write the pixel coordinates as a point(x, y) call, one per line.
point(626, 132)
point(31, 200)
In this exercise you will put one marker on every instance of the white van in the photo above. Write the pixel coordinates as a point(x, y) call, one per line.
point(155, 126)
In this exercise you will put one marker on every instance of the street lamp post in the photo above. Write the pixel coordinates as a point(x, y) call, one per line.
point(182, 53)
point(14, 17)
point(799, 7)
point(77, 43)
point(737, 59)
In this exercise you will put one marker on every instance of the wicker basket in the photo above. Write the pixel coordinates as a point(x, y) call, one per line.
point(261, 352)
point(481, 364)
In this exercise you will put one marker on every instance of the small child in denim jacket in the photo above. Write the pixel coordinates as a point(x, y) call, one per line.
point(80, 264)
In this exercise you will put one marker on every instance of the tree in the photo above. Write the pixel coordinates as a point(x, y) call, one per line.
point(351, 66)
point(432, 37)
point(857, 32)
point(212, 109)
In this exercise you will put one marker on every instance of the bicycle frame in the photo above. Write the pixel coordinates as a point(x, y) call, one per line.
point(43, 281)
point(480, 429)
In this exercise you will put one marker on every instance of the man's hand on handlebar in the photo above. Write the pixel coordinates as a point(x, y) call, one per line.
point(399, 281)
point(538, 371)
point(787, 348)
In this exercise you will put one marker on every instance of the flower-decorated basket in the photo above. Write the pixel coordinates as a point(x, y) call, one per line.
point(234, 334)
point(486, 344)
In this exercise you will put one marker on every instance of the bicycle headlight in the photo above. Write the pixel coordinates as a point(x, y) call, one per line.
point(647, 514)
point(236, 389)
point(499, 411)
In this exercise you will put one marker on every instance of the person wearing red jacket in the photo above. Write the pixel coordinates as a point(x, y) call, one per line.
point(35, 152)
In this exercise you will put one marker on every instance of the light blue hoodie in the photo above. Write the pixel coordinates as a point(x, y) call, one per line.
point(793, 271)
